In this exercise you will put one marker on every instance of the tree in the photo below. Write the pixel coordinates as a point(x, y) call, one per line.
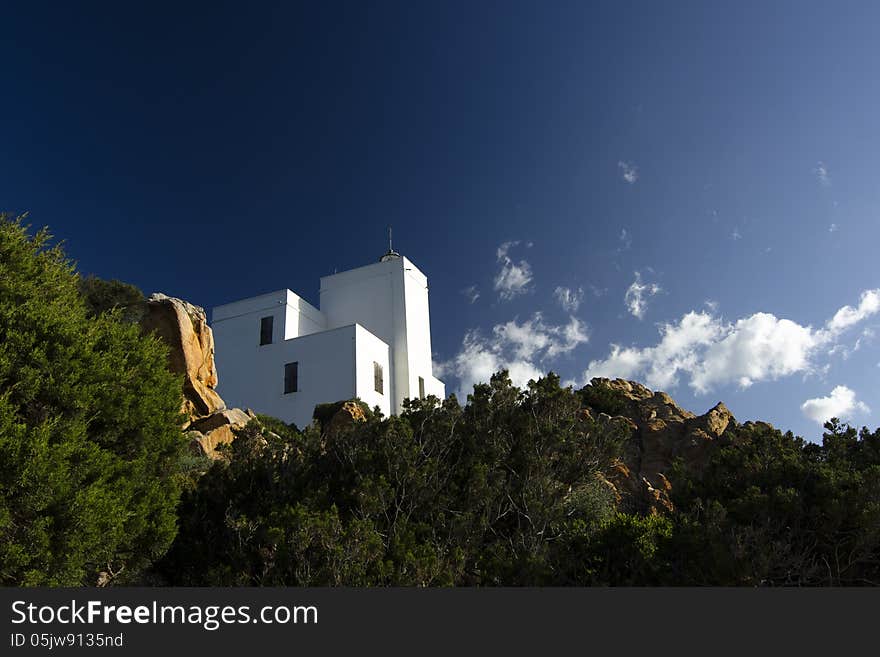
point(89, 428)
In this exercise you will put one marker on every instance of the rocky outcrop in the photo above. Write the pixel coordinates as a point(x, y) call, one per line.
point(207, 433)
point(184, 328)
point(658, 432)
point(348, 414)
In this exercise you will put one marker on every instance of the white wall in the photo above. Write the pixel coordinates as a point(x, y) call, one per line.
point(372, 296)
point(418, 334)
point(390, 299)
point(254, 376)
point(301, 317)
point(371, 349)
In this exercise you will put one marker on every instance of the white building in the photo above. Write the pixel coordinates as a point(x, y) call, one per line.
point(371, 339)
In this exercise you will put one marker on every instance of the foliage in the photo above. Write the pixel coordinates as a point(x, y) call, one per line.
point(771, 509)
point(100, 295)
point(602, 398)
point(441, 495)
point(89, 428)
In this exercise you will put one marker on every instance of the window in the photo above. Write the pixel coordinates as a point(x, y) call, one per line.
point(266, 331)
point(421, 388)
point(378, 381)
point(291, 377)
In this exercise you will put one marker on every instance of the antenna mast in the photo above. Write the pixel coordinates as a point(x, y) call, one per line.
point(391, 252)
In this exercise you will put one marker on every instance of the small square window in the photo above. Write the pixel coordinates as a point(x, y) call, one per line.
point(291, 377)
point(266, 330)
point(378, 379)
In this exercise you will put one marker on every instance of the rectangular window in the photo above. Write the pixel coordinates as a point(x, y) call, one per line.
point(266, 330)
point(378, 380)
point(421, 388)
point(291, 377)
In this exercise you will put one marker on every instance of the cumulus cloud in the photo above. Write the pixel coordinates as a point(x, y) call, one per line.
point(822, 174)
point(637, 295)
point(569, 299)
point(713, 352)
point(869, 304)
point(472, 293)
point(841, 403)
point(525, 349)
point(629, 171)
point(514, 277)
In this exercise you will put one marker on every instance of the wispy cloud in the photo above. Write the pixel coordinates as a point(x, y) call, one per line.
point(472, 293)
point(841, 403)
point(735, 234)
point(625, 239)
point(569, 299)
point(629, 171)
point(822, 174)
point(514, 277)
point(525, 349)
point(833, 228)
point(712, 352)
point(637, 295)
point(598, 291)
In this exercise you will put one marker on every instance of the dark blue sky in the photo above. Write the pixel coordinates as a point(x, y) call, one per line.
point(727, 152)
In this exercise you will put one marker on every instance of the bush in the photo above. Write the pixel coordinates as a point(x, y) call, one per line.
point(90, 435)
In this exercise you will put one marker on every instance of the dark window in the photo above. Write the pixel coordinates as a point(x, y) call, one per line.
point(378, 381)
point(291, 377)
point(421, 388)
point(266, 330)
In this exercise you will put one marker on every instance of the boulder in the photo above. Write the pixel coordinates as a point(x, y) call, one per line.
point(184, 328)
point(207, 433)
point(349, 413)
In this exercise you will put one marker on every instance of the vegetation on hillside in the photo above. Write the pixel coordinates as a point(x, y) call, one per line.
point(508, 491)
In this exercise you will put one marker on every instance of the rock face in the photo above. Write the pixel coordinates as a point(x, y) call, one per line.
point(184, 328)
point(659, 432)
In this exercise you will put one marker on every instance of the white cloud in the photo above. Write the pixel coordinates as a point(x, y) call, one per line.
point(629, 171)
point(736, 235)
point(514, 277)
point(822, 174)
point(524, 349)
point(711, 304)
point(869, 304)
point(841, 403)
point(472, 293)
point(753, 349)
point(637, 295)
point(569, 299)
point(625, 239)
point(833, 228)
point(713, 352)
